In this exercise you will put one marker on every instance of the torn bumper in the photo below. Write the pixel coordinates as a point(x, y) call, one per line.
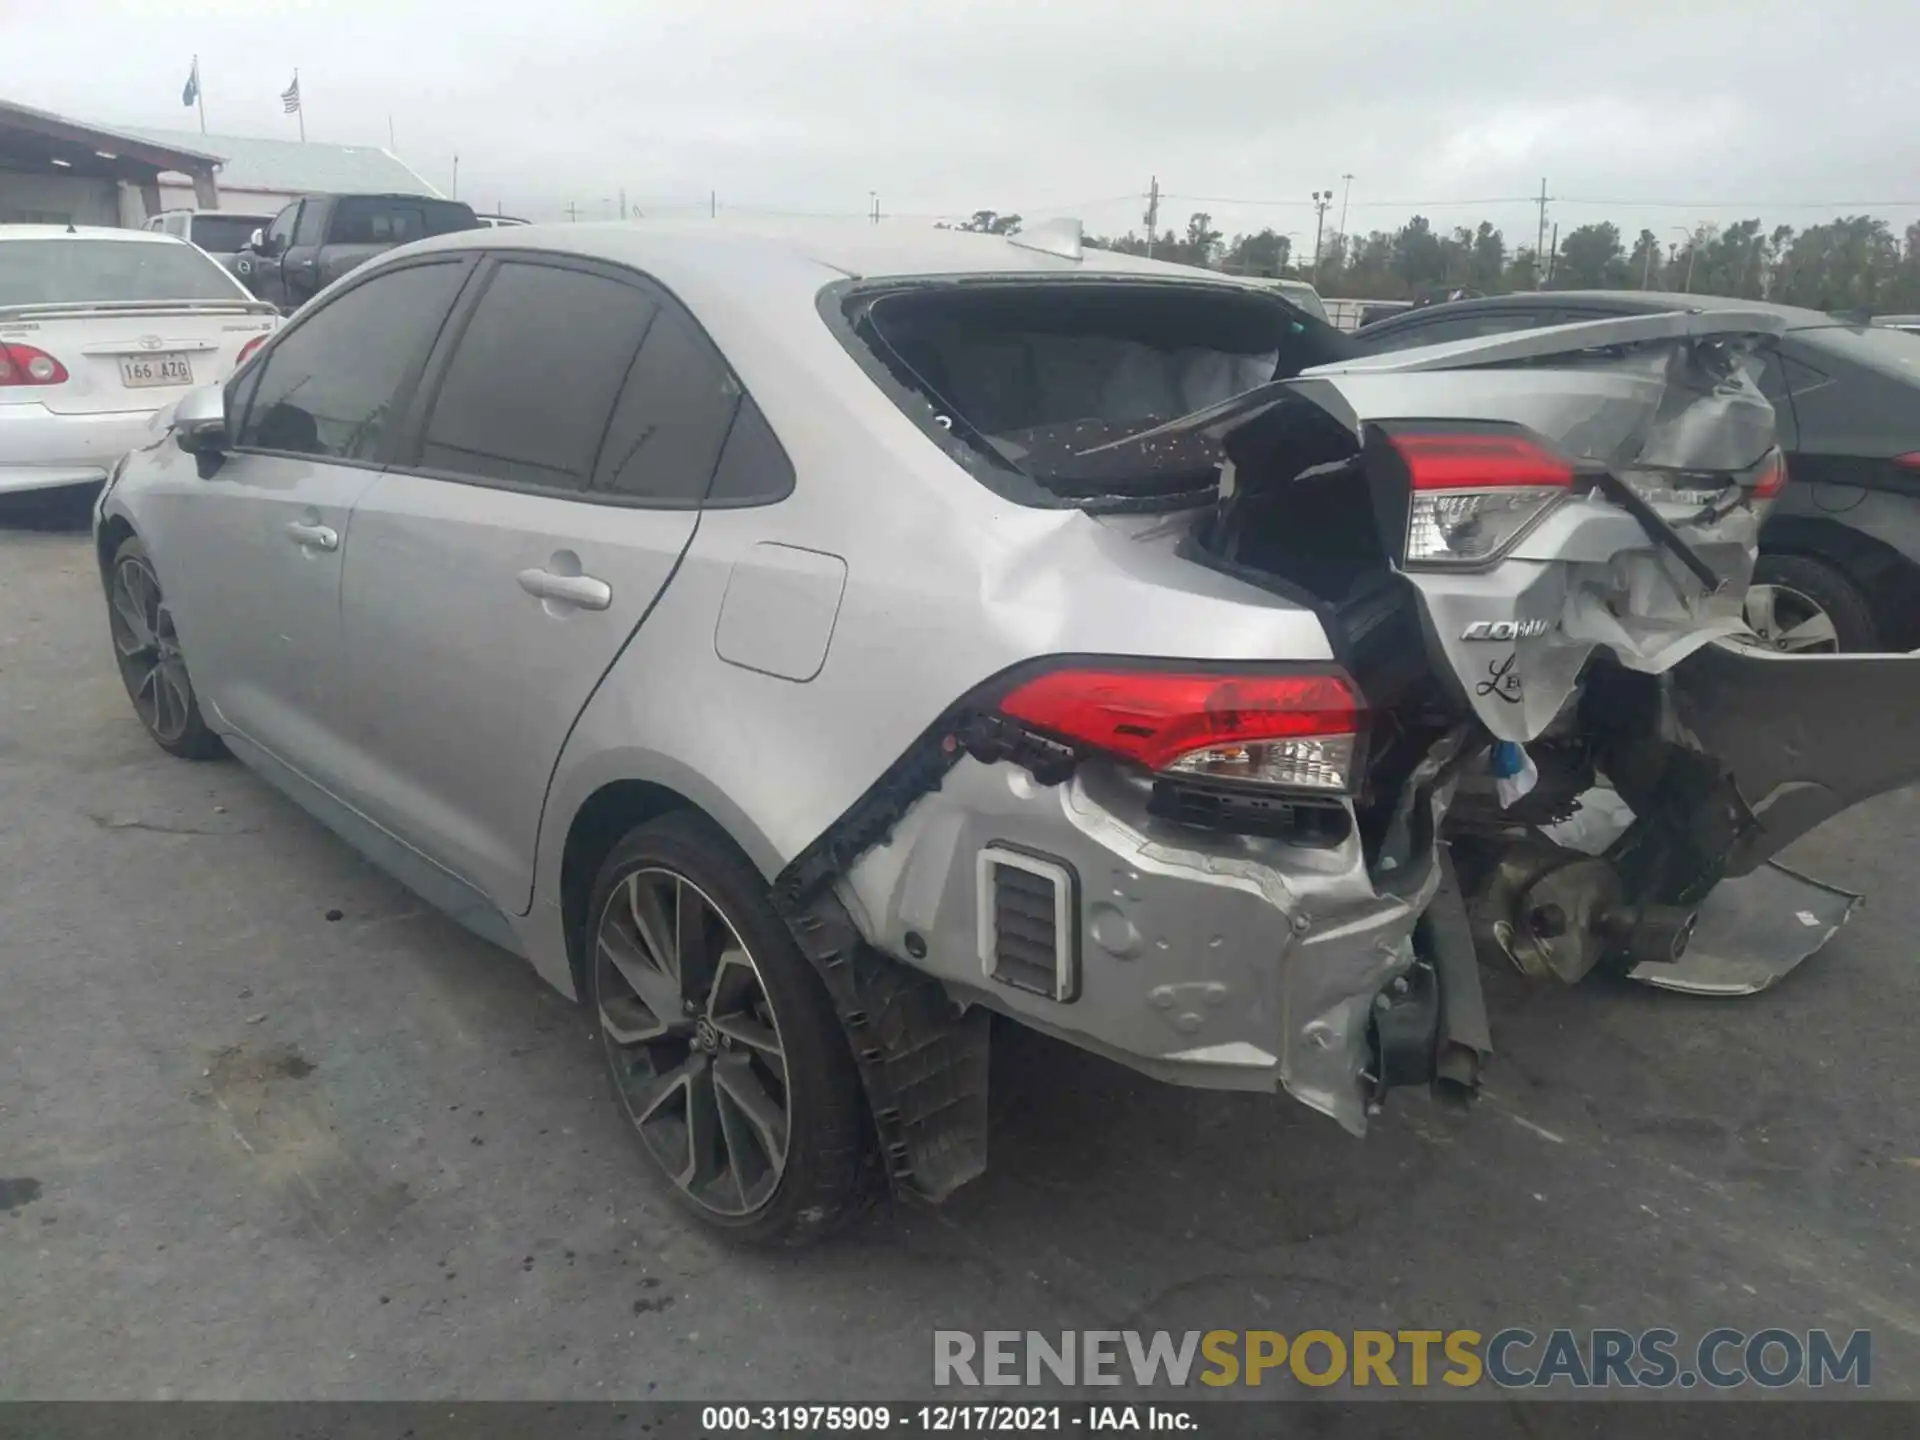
point(1202, 958)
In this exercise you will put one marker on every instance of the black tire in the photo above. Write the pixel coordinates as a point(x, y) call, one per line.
point(1830, 589)
point(826, 1179)
point(152, 665)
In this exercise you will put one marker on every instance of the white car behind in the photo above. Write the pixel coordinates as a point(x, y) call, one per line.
point(99, 329)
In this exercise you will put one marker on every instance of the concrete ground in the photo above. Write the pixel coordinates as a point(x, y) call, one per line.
point(269, 1128)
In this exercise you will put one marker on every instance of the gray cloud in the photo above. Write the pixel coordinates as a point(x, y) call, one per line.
point(1062, 106)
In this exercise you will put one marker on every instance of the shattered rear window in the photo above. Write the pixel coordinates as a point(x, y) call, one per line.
point(1030, 375)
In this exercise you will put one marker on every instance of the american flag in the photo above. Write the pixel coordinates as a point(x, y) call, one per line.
point(290, 97)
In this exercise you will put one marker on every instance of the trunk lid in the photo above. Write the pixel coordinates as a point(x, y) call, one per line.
point(1645, 544)
point(131, 355)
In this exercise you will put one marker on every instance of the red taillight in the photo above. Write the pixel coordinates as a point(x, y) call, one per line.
point(1295, 731)
point(1772, 478)
point(1909, 461)
point(26, 365)
point(1476, 489)
point(1466, 461)
point(247, 350)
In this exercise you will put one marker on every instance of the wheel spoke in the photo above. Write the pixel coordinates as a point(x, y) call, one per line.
point(627, 1021)
point(149, 704)
point(1760, 603)
point(173, 683)
point(745, 1029)
point(706, 1142)
point(135, 623)
point(744, 1091)
point(653, 925)
point(694, 926)
point(1816, 629)
point(653, 1100)
point(651, 986)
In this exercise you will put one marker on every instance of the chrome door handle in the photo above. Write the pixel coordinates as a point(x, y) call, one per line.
point(581, 590)
point(313, 537)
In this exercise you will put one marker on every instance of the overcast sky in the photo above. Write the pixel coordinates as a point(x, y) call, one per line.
point(1678, 112)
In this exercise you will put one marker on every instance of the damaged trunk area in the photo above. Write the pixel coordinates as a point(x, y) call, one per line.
point(1543, 742)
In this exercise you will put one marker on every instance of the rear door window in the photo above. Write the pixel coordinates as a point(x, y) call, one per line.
point(332, 386)
point(526, 396)
point(674, 416)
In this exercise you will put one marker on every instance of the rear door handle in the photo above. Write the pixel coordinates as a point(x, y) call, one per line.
point(313, 537)
point(582, 591)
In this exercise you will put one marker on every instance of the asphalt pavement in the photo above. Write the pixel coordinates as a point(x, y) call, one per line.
point(270, 1128)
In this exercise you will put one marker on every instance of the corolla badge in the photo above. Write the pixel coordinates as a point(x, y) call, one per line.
point(1505, 629)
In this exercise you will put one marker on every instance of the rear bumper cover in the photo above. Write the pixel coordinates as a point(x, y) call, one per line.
point(40, 449)
point(1205, 959)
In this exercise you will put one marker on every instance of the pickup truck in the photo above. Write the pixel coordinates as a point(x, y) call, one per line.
point(318, 238)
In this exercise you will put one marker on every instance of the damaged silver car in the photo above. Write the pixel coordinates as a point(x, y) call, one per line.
point(799, 646)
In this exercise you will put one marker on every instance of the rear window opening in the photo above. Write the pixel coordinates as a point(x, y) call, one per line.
point(227, 234)
point(1025, 377)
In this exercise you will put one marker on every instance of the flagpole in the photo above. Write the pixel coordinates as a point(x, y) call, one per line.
point(302, 110)
point(200, 94)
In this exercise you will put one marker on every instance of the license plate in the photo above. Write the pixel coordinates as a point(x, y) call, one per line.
point(170, 368)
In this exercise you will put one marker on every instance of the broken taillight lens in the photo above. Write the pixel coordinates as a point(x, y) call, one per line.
point(1772, 478)
point(1289, 731)
point(1475, 491)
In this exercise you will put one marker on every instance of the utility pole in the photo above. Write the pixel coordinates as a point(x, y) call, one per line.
point(1346, 189)
point(623, 202)
point(1540, 238)
point(390, 141)
point(573, 212)
point(1321, 200)
point(1153, 213)
point(453, 192)
point(1554, 253)
point(874, 215)
point(713, 203)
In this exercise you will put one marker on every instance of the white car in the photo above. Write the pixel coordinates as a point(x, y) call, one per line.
point(99, 329)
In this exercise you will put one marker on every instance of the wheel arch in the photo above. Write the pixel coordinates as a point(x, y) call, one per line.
point(609, 807)
point(114, 531)
point(1888, 579)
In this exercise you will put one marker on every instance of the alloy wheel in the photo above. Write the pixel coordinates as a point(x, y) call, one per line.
point(1785, 619)
point(693, 1041)
point(148, 649)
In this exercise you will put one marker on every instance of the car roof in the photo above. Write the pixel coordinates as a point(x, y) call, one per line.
point(829, 250)
point(86, 232)
point(1629, 302)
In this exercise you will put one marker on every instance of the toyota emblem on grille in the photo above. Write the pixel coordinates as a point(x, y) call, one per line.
point(151, 342)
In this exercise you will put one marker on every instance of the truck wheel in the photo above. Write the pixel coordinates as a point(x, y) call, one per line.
point(1807, 606)
point(722, 1043)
